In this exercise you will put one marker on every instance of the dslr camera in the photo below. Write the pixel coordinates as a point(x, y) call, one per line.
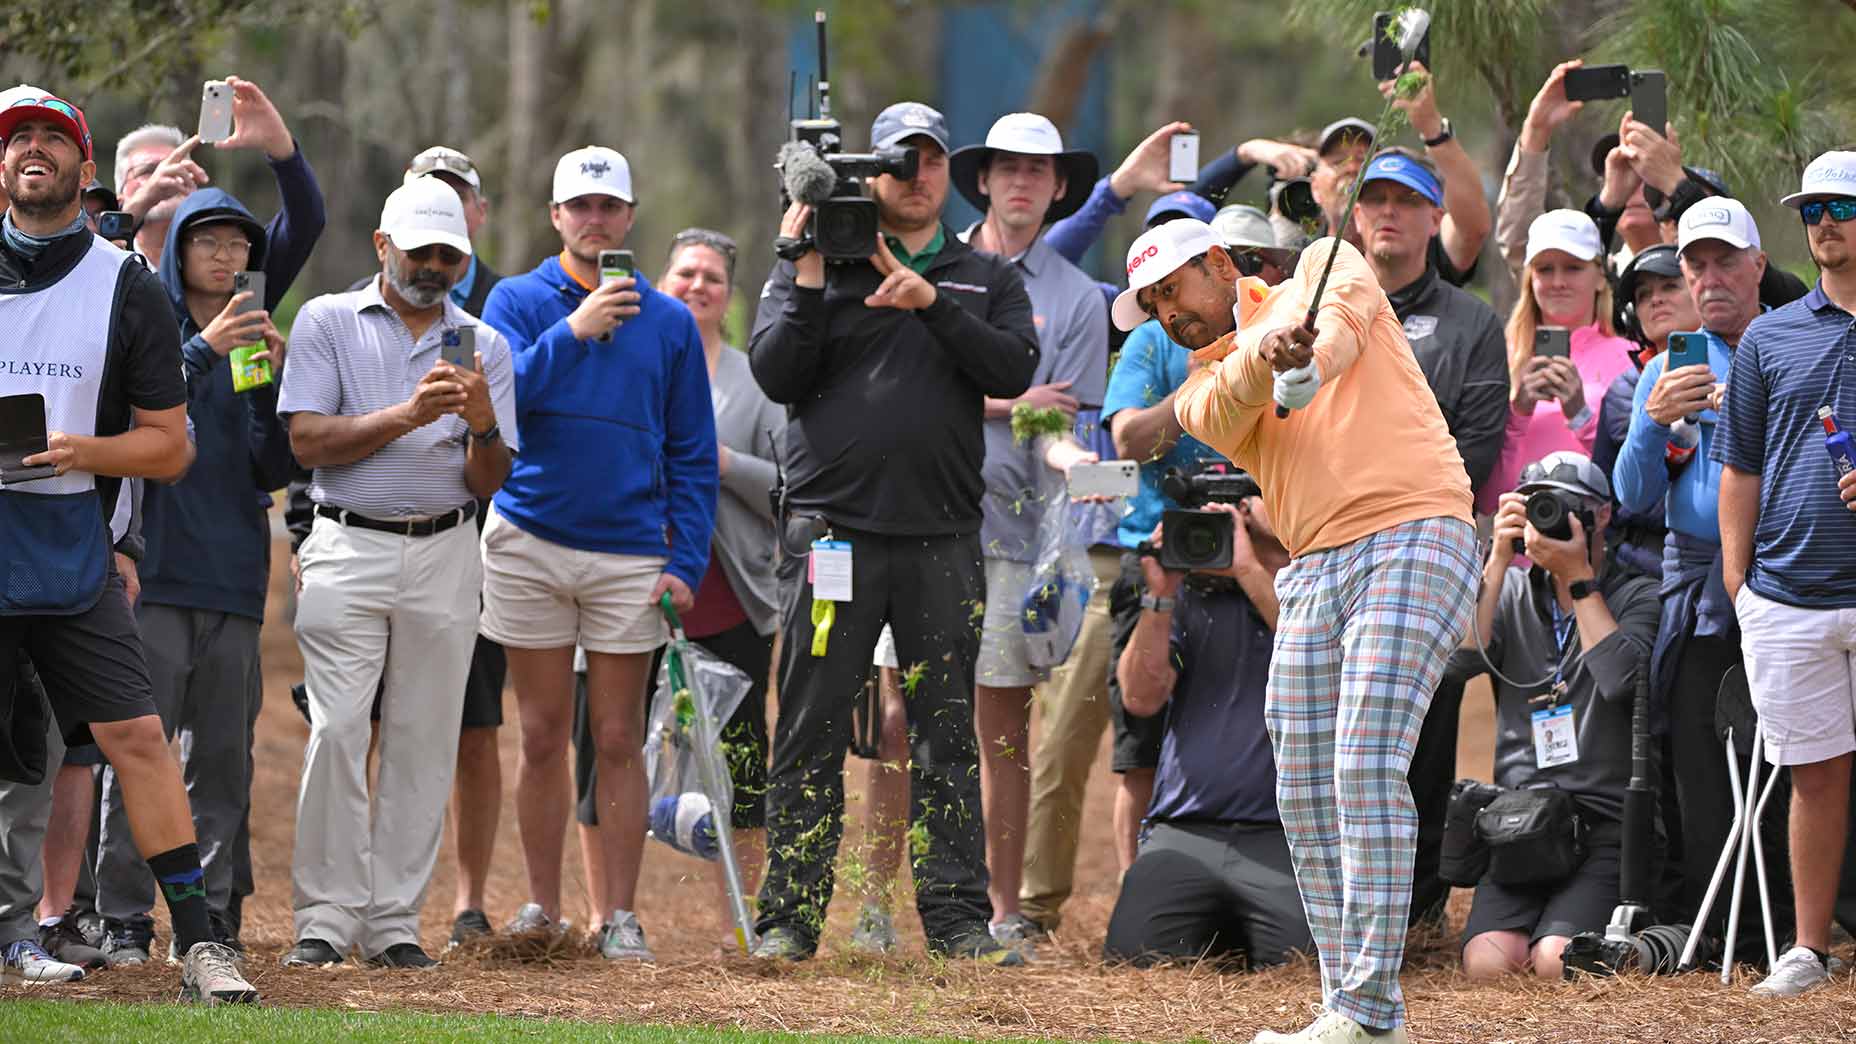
point(815, 170)
point(1192, 538)
point(1551, 511)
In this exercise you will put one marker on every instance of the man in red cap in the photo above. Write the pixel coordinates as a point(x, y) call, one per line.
point(107, 382)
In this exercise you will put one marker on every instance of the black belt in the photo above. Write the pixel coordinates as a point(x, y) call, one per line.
point(417, 527)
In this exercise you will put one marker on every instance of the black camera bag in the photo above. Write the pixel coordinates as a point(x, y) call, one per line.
point(1535, 836)
point(1464, 858)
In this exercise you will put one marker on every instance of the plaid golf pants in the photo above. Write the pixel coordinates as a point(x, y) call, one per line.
point(1361, 641)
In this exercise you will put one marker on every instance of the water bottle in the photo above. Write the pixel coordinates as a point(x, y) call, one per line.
point(686, 822)
point(1842, 450)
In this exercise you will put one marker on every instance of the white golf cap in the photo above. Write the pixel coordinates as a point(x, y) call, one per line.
point(441, 159)
point(1570, 231)
point(1158, 254)
point(13, 94)
point(1717, 217)
point(422, 212)
point(1830, 176)
point(592, 171)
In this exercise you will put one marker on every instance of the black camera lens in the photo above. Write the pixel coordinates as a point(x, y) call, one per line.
point(845, 228)
point(1550, 512)
point(1195, 540)
point(1295, 200)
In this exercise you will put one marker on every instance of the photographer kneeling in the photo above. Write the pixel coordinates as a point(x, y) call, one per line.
point(1576, 633)
point(1213, 876)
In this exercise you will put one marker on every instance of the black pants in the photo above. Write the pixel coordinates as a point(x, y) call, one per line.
point(929, 589)
point(1137, 739)
point(1432, 772)
point(1209, 890)
point(1705, 797)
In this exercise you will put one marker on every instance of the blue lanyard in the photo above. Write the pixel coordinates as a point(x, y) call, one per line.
point(1562, 638)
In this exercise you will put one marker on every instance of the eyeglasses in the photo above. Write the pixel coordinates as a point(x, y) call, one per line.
point(212, 246)
point(447, 256)
point(1838, 209)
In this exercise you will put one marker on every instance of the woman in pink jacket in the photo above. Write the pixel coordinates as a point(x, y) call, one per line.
point(1555, 400)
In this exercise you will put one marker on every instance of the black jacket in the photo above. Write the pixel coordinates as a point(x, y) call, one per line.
point(885, 405)
point(1459, 345)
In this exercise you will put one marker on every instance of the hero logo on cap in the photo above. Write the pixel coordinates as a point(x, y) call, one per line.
point(1158, 253)
point(1153, 250)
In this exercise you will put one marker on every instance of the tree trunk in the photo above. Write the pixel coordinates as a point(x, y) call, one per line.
point(522, 173)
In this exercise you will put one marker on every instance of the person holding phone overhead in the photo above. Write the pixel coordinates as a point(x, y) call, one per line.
point(402, 444)
point(206, 566)
point(610, 507)
point(1555, 393)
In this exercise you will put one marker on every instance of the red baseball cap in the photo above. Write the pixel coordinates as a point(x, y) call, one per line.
point(47, 107)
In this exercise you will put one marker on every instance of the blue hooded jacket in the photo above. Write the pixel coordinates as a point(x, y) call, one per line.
point(208, 537)
point(618, 438)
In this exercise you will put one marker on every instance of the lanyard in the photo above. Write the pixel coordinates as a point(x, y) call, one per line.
point(1562, 640)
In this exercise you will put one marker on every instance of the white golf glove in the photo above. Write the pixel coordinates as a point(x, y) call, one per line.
point(1296, 388)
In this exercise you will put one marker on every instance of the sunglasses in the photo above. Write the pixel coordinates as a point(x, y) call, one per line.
point(63, 108)
point(447, 256)
point(716, 241)
point(449, 164)
point(1248, 262)
point(1838, 209)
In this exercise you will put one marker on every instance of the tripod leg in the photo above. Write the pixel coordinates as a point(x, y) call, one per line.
point(1720, 867)
point(1749, 825)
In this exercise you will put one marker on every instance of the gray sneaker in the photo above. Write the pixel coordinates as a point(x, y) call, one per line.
point(209, 974)
point(126, 944)
point(875, 931)
point(1798, 971)
point(623, 939)
point(530, 920)
point(1016, 932)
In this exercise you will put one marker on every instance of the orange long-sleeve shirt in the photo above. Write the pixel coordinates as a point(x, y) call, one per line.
point(1371, 451)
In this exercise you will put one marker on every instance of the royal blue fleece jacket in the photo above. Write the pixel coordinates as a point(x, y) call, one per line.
point(618, 438)
point(208, 537)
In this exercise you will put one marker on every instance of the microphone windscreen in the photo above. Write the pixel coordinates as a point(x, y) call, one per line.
point(804, 174)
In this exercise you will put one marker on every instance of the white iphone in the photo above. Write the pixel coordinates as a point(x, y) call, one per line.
point(215, 111)
point(1183, 160)
point(1108, 478)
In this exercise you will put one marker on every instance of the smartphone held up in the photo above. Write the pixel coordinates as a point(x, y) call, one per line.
point(249, 373)
point(615, 265)
point(215, 111)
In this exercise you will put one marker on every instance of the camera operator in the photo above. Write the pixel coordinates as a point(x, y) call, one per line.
point(1585, 628)
point(1346, 143)
point(1699, 642)
point(1368, 493)
point(1213, 877)
point(885, 367)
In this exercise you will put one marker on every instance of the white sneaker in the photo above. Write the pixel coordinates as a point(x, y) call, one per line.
point(1333, 1028)
point(1798, 971)
point(209, 974)
point(623, 939)
point(875, 931)
point(531, 921)
point(27, 963)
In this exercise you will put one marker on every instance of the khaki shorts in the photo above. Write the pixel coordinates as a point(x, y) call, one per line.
point(1003, 654)
point(540, 595)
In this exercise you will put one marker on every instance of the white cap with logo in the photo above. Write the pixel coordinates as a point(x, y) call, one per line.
point(1830, 176)
point(1570, 231)
point(422, 212)
point(1717, 217)
point(1158, 254)
point(592, 171)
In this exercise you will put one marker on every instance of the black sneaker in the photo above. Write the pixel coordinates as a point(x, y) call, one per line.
point(311, 953)
point(471, 924)
point(66, 943)
point(127, 942)
point(977, 944)
point(404, 956)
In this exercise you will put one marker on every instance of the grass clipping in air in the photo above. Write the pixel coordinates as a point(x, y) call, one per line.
point(1029, 422)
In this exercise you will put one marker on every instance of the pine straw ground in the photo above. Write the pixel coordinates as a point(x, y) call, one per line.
point(1067, 994)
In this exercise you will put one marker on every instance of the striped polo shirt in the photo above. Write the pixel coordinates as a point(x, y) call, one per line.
point(1791, 361)
point(351, 355)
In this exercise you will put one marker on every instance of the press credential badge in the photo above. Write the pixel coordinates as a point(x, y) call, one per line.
point(1556, 737)
point(830, 570)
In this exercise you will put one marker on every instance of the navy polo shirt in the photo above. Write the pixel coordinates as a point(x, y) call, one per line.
point(1791, 361)
point(1215, 757)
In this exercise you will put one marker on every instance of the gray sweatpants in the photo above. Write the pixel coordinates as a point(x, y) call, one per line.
point(24, 812)
point(204, 670)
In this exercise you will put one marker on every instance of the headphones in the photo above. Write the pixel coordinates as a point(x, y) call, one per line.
point(1624, 301)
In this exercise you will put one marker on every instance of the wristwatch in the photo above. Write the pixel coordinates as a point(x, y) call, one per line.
point(787, 248)
point(1158, 605)
point(488, 437)
point(1442, 136)
point(1581, 589)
